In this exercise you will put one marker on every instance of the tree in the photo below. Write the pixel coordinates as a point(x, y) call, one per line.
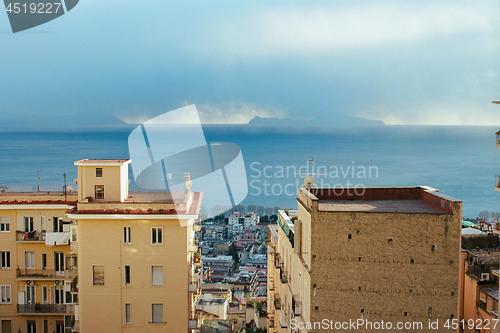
point(484, 215)
point(234, 253)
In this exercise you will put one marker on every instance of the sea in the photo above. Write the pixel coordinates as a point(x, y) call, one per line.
point(460, 161)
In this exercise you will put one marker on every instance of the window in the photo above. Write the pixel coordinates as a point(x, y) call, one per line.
point(157, 275)
point(98, 172)
point(45, 295)
point(5, 294)
point(71, 263)
point(4, 224)
point(30, 295)
point(45, 326)
point(29, 259)
point(57, 224)
point(31, 325)
point(157, 313)
point(4, 259)
point(28, 224)
point(99, 191)
point(127, 275)
point(6, 326)
point(44, 260)
point(127, 314)
point(59, 295)
point(156, 235)
point(126, 235)
point(59, 261)
point(98, 275)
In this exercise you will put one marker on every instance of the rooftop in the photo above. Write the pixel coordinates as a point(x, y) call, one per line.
point(380, 206)
point(415, 200)
point(92, 162)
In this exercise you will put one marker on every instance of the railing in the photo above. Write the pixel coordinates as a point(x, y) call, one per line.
point(277, 261)
point(277, 301)
point(283, 276)
point(73, 247)
point(30, 236)
point(46, 308)
point(197, 225)
point(296, 305)
point(46, 273)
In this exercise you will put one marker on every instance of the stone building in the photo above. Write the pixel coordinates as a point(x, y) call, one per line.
point(386, 256)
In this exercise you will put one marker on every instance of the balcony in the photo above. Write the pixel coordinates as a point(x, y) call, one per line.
point(46, 308)
point(296, 305)
point(277, 261)
point(50, 274)
point(193, 324)
point(283, 276)
point(73, 247)
point(277, 301)
point(197, 226)
point(31, 236)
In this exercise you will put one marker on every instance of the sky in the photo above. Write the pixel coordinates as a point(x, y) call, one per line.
point(423, 63)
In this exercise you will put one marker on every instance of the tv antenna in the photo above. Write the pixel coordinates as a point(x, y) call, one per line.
point(313, 161)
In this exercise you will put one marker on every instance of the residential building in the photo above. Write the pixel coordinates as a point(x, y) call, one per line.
point(248, 220)
point(390, 254)
point(139, 269)
point(37, 266)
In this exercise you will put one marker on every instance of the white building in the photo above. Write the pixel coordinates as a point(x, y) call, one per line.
point(248, 220)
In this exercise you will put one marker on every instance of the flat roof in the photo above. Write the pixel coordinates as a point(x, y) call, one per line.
point(380, 206)
point(97, 162)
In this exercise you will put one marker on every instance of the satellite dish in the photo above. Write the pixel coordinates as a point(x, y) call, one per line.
point(128, 182)
point(70, 189)
point(75, 181)
point(309, 182)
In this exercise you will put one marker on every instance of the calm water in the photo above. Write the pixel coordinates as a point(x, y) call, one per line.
point(460, 161)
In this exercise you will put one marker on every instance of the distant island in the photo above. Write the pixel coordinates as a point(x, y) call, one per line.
point(337, 120)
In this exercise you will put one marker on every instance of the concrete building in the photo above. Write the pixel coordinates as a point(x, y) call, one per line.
point(390, 254)
point(136, 253)
point(37, 267)
point(248, 220)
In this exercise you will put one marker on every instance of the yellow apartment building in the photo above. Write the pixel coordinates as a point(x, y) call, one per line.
point(386, 259)
point(137, 270)
point(37, 268)
point(478, 310)
point(101, 260)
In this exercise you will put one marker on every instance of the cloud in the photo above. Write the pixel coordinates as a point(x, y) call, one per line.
point(235, 112)
point(278, 30)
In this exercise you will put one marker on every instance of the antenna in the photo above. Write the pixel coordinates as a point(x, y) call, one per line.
point(64, 188)
point(38, 187)
point(313, 160)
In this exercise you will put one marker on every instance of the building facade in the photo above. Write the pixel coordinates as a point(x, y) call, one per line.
point(390, 254)
point(101, 260)
point(37, 267)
